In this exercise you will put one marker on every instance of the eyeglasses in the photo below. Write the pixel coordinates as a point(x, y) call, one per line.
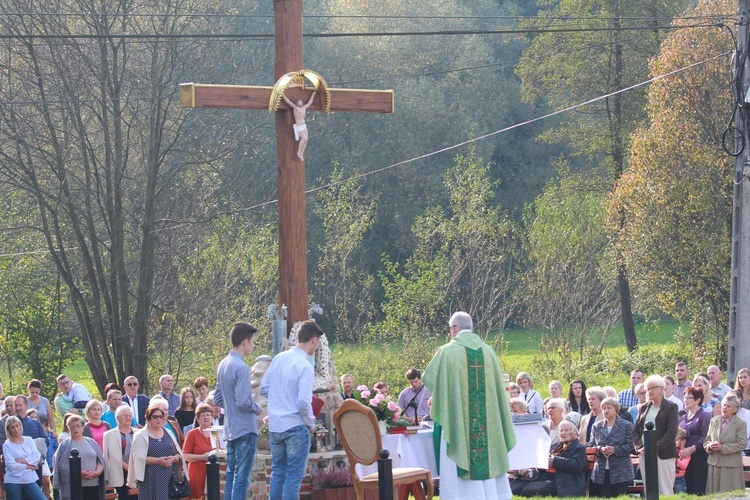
point(132, 384)
point(154, 417)
point(641, 393)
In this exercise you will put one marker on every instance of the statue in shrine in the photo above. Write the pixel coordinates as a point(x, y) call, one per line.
point(300, 128)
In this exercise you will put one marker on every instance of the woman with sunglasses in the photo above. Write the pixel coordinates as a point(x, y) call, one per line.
point(155, 456)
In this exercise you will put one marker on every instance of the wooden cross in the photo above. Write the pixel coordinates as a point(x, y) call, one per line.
point(291, 170)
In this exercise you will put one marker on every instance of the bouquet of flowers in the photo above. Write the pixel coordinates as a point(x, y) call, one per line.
point(264, 432)
point(383, 406)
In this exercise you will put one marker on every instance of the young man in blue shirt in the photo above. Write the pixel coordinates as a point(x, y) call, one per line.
point(234, 393)
point(288, 385)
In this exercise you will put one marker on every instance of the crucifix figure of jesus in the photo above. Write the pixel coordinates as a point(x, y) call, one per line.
point(299, 127)
point(290, 165)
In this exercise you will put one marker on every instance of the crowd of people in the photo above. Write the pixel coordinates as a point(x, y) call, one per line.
point(701, 427)
point(135, 444)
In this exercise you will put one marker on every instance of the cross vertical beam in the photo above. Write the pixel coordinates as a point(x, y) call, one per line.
point(291, 170)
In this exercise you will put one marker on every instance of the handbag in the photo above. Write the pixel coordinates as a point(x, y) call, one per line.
point(178, 488)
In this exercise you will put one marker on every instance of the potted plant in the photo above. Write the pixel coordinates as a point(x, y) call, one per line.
point(332, 484)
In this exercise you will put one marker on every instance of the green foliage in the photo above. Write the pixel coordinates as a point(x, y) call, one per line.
point(564, 68)
point(567, 290)
point(36, 341)
point(231, 276)
point(342, 287)
point(463, 261)
point(676, 197)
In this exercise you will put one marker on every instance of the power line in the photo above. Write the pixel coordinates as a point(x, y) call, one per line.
point(340, 83)
point(208, 15)
point(517, 125)
point(459, 145)
point(426, 155)
point(269, 36)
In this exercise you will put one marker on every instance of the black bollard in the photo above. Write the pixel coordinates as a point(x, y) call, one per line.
point(651, 464)
point(212, 479)
point(76, 481)
point(385, 476)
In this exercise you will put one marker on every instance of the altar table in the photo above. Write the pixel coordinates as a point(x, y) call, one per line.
point(417, 450)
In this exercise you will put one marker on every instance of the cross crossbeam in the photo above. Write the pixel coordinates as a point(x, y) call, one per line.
point(290, 168)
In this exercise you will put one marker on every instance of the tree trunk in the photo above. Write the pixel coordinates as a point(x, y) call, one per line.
point(618, 157)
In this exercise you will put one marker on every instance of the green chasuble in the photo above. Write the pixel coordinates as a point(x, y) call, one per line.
point(470, 404)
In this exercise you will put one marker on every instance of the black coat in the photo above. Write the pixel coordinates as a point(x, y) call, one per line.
point(666, 422)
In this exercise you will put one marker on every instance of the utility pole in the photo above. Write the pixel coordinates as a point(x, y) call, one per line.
point(739, 295)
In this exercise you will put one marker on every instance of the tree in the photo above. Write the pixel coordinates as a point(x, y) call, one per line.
point(230, 275)
point(567, 289)
point(89, 131)
point(566, 68)
point(37, 338)
point(464, 260)
point(344, 289)
point(676, 196)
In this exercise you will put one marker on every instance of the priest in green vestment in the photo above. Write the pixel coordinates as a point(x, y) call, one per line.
point(473, 425)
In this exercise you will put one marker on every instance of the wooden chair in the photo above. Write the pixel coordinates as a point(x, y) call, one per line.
point(357, 428)
point(591, 454)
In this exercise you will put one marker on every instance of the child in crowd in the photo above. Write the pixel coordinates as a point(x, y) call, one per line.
point(515, 390)
point(53, 444)
point(681, 463)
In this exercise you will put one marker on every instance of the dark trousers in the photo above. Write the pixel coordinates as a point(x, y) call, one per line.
point(123, 493)
point(544, 486)
point(696, 473)
point(90, 493)
point(607, 489)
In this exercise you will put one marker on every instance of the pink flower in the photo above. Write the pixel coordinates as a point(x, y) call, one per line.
point(378, 398)
point(392, 406)
point(374, 402)
point(365, 393)
point(265, 419)
point(397, 415)
point(362, 388)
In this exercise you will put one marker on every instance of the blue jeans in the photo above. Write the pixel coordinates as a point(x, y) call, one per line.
point(289, 451)
point(240, 456)
point(15, 491)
